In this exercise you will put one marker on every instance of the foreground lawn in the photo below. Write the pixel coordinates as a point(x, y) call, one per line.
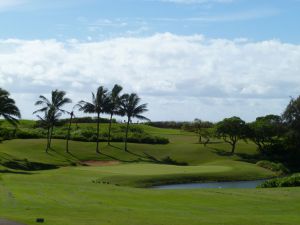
point(74, 194)
point(67, 196)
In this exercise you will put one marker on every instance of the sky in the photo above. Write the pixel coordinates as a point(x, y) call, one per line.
point(207, 59)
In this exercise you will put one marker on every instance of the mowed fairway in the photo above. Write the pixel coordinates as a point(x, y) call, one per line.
point(96, 195)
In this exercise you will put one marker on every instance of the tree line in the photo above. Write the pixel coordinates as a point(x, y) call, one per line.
point(275, 136)
point(103, 102)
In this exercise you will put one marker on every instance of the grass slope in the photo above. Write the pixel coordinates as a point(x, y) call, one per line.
point(105, 195)
point(68, 197)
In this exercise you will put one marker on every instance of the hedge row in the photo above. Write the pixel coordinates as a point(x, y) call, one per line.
point(136, 135)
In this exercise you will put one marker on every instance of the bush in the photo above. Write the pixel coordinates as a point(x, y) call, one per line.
point(7, 133)
point(291, 181)
point(276, 167)
point(30, 133)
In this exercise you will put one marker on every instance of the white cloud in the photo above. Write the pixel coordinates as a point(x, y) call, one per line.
point(181, 76)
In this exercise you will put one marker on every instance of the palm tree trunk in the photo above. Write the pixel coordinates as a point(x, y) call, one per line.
point(98, 129)
point(50, 136)
point(69, 131)
point(48, 133)
point(126, 137)
point(109, 129)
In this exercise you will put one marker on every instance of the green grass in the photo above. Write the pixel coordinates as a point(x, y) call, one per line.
point(67, 196)
point(81, 195)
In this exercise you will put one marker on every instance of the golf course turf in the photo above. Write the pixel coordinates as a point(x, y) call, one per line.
point(78, 192)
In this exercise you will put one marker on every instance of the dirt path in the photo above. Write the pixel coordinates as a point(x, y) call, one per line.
point(6, 222)
point(100, 163)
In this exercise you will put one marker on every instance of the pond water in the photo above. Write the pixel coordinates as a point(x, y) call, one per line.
point(230, 184)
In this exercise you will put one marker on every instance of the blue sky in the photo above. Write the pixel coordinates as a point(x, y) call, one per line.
point(65, 19)
point(208, 59)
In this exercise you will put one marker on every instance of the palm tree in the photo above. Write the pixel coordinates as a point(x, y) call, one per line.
point(51, 116)
point(98, 105)
point(52, 109)
point(131, 108)
point(113, 106)
point(8, 109)
point(72, 115)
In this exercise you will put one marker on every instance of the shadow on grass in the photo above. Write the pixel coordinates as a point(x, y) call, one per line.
point(248, 157)
point(117, 159)
point(221, 152)
point(151, 159)
point(23, 164)
point(15, 172)
point(245, 157)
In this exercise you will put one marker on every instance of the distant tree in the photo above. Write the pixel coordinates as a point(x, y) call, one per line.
point(113, 106)
point(99, 105)
point(52, 110)
point(8, 109)
point(291, 118)
point(266, 130)
point(201, 128)
point(232, 130)
point(131, 107)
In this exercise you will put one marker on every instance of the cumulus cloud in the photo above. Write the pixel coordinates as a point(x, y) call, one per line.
point(193, 75)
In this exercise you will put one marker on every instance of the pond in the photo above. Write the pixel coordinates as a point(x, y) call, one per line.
point(227, 184)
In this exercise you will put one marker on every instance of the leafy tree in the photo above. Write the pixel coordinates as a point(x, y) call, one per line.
point(52, 110)
point(99, 105)
point(266, 131)
point(232, 130)
point(131, 107)
point(113, 106)
point(8, 109)
point(291, 118)
point(201, 128)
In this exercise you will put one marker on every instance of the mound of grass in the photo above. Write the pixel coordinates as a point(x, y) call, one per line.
point(290, 181)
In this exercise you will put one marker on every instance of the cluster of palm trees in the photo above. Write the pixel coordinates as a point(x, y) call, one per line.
point(103, 102)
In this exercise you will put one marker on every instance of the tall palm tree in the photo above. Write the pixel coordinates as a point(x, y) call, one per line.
point(130, 107)
point(8, 109)
point(113, 106)
point(72, 116)
point(52, 109)
point(51, 116)
point(98, 105)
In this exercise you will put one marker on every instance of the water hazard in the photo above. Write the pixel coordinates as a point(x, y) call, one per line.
point(229, 184)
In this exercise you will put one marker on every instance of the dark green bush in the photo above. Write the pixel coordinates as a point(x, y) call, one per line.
point(135, 135)
point(290, 181)
point(30, 133)
point(7, 133)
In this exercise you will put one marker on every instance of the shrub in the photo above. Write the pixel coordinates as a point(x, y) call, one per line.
point(29, 133)
point(290, 181)
point(276, 167)
point(7, 133)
